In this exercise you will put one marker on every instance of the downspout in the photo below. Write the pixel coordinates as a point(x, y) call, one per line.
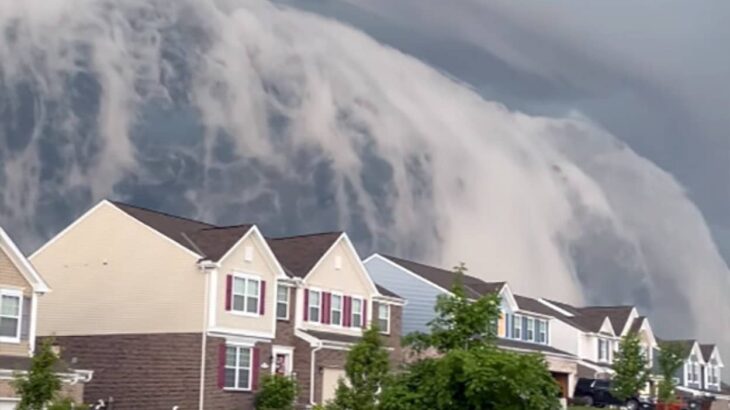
point(33, 322)
point(311, 379)
point(204, 339)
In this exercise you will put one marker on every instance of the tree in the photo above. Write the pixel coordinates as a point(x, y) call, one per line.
point(277, 392)
point(366, 371)
point(460, 323)
point(469, 372)
point(630, 364)
point(671, 359)
point(40, 385)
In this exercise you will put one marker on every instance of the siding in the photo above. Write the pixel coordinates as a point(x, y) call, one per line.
point(121, 277)
point(11, 278)
point(420, 295)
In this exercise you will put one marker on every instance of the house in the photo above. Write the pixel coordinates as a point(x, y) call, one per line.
point(171, 311)
point(525, 324)
point(701, 374)
point(21, 287)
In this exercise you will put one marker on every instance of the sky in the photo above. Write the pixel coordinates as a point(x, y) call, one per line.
point(576, 150)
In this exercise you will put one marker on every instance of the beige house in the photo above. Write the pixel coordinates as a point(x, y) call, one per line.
point(21, 287)
point(170, 311)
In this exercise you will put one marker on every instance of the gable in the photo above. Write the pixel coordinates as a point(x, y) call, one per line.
point(341, 270)
point(606, 327)
point(10, 275)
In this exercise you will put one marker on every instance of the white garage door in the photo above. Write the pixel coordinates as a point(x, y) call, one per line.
point(330, 379)
point(7, 405)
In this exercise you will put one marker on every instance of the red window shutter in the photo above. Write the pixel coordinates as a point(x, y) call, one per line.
point(262, 298)
point(221, 365)
point(255, 367)
point(365, 313)
point(306, 304)
point(229, 291)
point(326, 307)
point(346, 309)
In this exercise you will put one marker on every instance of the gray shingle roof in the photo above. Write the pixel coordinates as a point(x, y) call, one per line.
point(533, 305)
point(707, 350)
point(618, 315)
point(474, 287)
point(534, 347)
point(299, 254)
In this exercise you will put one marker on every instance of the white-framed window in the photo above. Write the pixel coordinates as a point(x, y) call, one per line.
point(384, 318)
point(713, 375)
point(517, 327)
point(282, 358)
point(315, 303)
point(245, 294)
point(238, 367)
point(603, 350)
point(282, 302)
point(542, 336)
point(530, 331)
point(336, 310)
point(356, 314)
point(11, 312)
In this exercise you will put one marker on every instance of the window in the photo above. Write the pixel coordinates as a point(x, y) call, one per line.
point(10, 313)
point(712, 375)
point(282, 302)
point(542, 332)
point(517, 327)
point(603, 350)
point(384, 318)
point(356, 319)
point(530, 329)
point(315, 298)
point(246, 294)
point(238, 367)
point(336, 310)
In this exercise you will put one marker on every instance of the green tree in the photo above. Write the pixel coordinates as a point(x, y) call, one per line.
point(630, 364)
point(40, 385)
point(366, 371)
point(670, 360)
point(276, 392)
point(469, 372)
point(460, 323)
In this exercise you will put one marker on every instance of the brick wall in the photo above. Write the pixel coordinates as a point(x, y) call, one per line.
point(139, 371)
point(217, 398)
point(393, 339)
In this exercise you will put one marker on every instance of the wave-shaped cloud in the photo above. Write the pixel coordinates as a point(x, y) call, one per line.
point(244, 111)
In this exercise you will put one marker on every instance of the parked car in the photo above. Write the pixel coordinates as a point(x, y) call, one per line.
point(598, 393)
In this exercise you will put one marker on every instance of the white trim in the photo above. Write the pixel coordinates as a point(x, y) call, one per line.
point(22, 263)
point(287, 350)
point(555, 307)
point(511, 301)
point(389, 300)
point(19, 329)
point(280, 274)
point(69, 227)
point(288, 301)
point(231, 332)
point(237, 367)
point(33, 321)
point(629, 321)
point(415, 275)
point(313, 341)
point(385, 331)
point(246, 277)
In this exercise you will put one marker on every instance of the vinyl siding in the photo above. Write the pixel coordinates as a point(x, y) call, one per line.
point(121, 277)
point(11, 278)
point(420, 295)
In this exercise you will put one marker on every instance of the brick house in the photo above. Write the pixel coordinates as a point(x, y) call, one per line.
point(21, 287)
point(172, 312)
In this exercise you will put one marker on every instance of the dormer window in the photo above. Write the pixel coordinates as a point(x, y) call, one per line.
point(542, 332)
point(10, 314)
point(603, 349)
point(530, 330)
point(517, 327)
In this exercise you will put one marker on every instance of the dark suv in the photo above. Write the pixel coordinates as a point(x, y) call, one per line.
point(594, 392)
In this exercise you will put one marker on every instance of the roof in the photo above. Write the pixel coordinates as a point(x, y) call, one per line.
point(385, 292)
point(20, 363)
point(299, 254)
point(474, 287)
point(585, 319)
point(685, 344)
point(516, 344)
point(214, 243)
point(533, 305)
point(707, 351)
point(171, 226)
point(636, 325)
point(618, 315)
point(333, 337)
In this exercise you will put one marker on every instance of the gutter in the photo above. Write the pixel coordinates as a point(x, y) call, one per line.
point(311, 379)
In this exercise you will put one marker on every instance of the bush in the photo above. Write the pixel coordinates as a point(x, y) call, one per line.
point(276, 393)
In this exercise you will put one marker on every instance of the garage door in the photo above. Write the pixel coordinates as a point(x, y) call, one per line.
point(329, 383)
point(7, 405)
